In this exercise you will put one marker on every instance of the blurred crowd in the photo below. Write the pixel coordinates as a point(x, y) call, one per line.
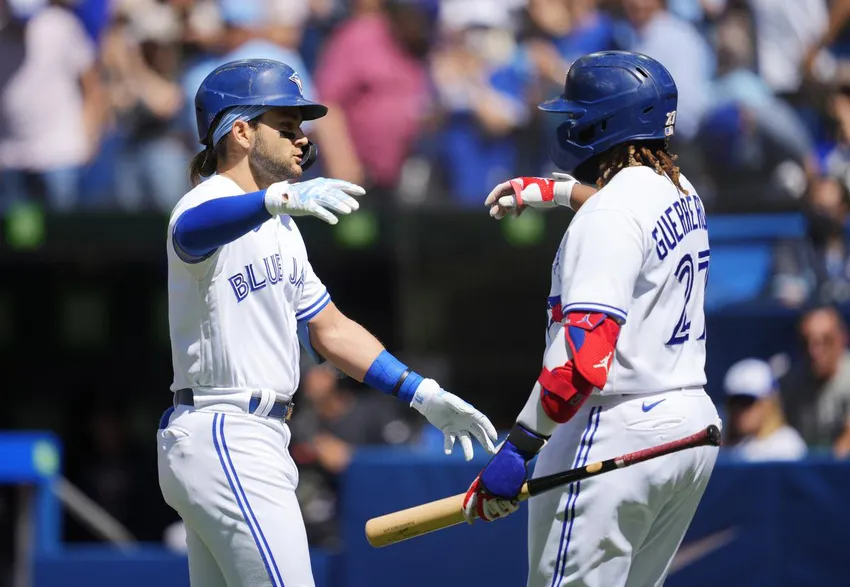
point(432, 101)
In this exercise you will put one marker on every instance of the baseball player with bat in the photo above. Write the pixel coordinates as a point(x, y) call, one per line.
point(624, 367)
point(242, 296)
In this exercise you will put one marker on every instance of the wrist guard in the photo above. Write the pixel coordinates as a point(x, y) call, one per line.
point(527, 442)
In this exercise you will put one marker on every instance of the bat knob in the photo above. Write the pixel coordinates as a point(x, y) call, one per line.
point(714, 436)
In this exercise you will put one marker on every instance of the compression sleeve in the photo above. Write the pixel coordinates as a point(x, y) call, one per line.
point(201, 230)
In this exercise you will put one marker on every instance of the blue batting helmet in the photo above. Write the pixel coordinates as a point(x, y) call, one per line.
point(250, 82)
point(610, 98)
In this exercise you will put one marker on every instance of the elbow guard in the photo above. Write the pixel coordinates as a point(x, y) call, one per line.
point(591, 338)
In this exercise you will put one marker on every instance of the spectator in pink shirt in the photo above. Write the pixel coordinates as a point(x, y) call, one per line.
point(374, 76)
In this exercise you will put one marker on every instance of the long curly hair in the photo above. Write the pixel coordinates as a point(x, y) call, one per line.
point(652, 154)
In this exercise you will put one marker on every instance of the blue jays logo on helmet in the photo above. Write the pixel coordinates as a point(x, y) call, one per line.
point(250, 82)
point(611, 98)
point(297, 81)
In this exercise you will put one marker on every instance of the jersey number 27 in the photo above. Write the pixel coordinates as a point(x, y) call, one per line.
point(687, 273)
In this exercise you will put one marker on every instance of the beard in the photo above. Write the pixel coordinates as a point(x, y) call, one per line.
point(268, 170)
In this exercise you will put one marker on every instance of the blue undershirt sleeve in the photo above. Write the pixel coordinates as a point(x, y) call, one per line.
point(199, 231)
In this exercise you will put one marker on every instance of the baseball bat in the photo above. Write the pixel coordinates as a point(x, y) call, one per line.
point(447, 512)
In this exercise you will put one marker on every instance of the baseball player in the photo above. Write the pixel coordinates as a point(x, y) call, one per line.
point(241, 288)
point(624, 363)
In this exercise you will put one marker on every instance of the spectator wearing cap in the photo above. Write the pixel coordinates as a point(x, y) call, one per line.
point(756, 428)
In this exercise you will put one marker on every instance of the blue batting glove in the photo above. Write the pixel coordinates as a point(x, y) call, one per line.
point(494, 492)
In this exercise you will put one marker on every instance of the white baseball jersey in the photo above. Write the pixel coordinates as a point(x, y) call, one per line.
point(233, 315)
point(638, 250)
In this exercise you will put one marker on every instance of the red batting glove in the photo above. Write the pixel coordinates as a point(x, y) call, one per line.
point(517, 194)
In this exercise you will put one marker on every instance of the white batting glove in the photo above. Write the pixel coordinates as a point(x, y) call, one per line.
point(515, 195)
point(314, 197)
point(486, 507)
point(454, 417)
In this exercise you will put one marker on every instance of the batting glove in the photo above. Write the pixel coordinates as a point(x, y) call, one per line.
point(494, 493)
point(454, 417)
point(515, 195)
point(314, 197)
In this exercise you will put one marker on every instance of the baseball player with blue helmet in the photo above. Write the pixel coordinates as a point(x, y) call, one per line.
point(624, 367)
point(243, 298)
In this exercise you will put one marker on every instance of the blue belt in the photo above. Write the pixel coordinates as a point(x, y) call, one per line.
point(280, 409)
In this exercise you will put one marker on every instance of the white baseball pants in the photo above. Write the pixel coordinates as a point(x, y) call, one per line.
point(232, 480)
point(622, 528)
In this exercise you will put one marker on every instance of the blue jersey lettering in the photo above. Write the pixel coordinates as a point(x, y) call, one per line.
point(267, 272)
point(678, 221)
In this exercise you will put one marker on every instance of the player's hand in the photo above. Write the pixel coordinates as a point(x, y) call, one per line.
point(318, 197)
point(494, 493)
point(515, 195)
point(454, 417)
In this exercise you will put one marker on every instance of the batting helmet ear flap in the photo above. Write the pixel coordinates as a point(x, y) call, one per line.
point(311, 152)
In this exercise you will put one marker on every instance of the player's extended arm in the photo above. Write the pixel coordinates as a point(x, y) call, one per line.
point(519, 193)
point(201, 230)
point(576, 361)
point(360, 355)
